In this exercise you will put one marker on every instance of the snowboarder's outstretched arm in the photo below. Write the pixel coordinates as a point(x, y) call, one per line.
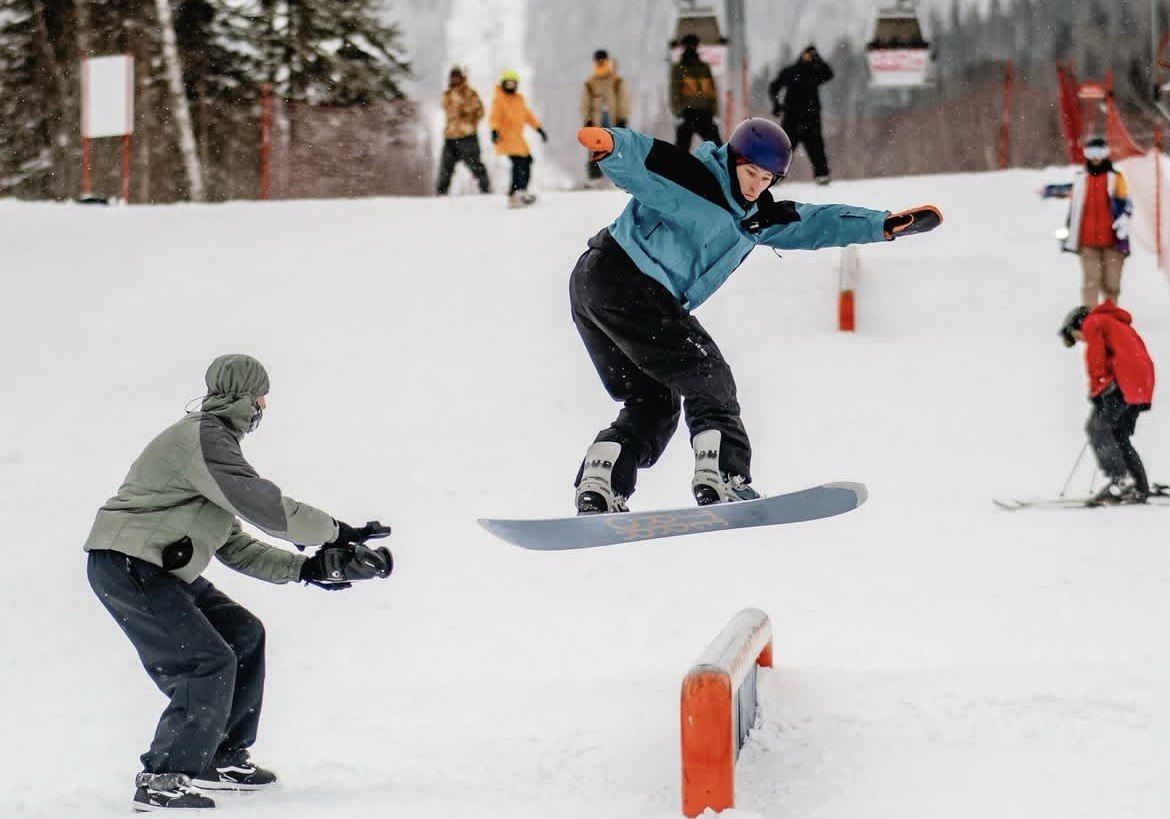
point(838, 225)
point(654, 172)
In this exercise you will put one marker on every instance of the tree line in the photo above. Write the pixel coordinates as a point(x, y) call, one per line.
point(200, 70)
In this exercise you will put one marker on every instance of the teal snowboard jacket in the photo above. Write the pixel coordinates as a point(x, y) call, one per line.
point(686, 228)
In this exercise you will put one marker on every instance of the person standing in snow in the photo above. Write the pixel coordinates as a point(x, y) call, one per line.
point(510, 113)
point(179, 506)
point(604, 100)
point(694, 100)
point(691, 221)
point(1121, 387)
point(800, 110)
point(1098, 224)
point(463, 110)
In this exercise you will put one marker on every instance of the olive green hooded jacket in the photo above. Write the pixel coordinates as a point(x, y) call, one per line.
point(192, 482)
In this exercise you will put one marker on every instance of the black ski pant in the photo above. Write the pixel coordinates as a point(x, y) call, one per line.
point(521, 173)
point(1110, 426)
point(695, 121)
point(465, 150)
point(806, 131)
point(204, 651)
point(653, 356)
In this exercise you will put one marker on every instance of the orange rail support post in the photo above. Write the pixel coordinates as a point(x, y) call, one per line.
point(717, 709)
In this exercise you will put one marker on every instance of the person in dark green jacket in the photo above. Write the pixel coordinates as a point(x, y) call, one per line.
point(179, 506)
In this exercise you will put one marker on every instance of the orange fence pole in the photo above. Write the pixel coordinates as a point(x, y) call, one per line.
point(1158, 196)
point(265, 138)
point(1004, 125)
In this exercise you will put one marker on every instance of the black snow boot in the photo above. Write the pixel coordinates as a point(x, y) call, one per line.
point(235, 773)
point(167, 790)
point(1119, 492)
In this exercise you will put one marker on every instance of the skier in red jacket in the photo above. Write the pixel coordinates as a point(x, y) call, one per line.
point(1121, 385)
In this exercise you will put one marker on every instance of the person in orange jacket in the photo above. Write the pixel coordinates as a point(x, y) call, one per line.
point(509, 114)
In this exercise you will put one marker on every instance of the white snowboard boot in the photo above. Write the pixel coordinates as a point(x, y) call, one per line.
point(595, 491)
point(709, 485)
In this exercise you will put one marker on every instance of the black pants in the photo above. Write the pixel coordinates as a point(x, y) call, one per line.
point(653, 356)
point(466, 150)
point(1110, 426)
point(521, 173)
point(201, 649)
point(806, 131)
point(696, 122)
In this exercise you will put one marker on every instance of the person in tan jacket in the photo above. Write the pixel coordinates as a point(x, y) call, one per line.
point(604, 101)
point(509, 114)
point(463, 109)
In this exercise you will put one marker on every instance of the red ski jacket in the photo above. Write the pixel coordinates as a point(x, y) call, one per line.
point(1115, 352)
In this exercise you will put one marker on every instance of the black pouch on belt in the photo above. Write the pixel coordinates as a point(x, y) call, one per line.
point(178, 554)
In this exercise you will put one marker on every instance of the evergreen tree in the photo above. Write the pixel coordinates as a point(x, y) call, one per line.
point(333, 52)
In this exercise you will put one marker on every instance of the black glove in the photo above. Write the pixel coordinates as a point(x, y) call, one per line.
point(335, 567)
point(916, 220)
point(346, 534)
point(495, 136)
point(543, 135)
point(777, 109)
point(621, 123)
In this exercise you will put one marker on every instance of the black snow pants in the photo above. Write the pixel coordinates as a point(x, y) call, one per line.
point(521, 173)
point(1110, 426)
point(653, 356)
point(202, 650)
point(464, 150)
point(695, 121)
point(806, 130)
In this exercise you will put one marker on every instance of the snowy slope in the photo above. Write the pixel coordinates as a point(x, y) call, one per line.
point(935, 656)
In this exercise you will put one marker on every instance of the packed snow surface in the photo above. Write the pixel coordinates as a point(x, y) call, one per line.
point(934, 656)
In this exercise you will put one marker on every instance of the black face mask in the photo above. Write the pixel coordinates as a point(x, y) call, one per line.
point(255, 419)
point(508, 90)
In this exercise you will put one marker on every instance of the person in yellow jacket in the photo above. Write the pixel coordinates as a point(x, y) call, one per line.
point(604, 100)
point(509, 114)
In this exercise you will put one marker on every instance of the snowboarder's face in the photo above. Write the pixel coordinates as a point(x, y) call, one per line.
point(753, 180)
point(509, 86)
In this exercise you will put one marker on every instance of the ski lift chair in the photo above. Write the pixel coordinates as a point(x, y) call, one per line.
point(899, 56)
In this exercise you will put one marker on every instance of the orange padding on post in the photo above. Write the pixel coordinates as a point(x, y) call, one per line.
point(845, 312)
point(708, 752)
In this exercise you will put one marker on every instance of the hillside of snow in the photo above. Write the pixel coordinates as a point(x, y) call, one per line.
point(935, 656)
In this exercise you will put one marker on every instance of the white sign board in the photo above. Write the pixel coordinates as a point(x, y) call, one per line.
point(898, 67)
point(107, 106)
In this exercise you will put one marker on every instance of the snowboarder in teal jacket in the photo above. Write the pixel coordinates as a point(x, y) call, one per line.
point(691, 221)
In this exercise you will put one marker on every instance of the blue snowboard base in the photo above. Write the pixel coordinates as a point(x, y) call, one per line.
point(589, 531)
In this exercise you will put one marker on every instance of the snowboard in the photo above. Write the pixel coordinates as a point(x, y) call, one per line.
point(591, 531)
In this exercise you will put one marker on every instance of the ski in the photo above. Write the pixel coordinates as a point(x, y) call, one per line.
point(590, 531)
point(1160, 496)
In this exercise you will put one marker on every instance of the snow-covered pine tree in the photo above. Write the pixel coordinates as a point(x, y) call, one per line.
point(35, 97)
point(333, 52)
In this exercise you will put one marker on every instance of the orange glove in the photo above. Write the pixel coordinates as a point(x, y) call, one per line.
point(598, 141)
point(916, 220)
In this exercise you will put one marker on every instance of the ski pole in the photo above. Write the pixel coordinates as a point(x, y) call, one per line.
point(1073, 471)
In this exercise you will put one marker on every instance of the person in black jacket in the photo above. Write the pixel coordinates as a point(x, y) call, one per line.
point(800, 110)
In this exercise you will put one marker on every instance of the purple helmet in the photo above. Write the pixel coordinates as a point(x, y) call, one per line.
point(764, 143)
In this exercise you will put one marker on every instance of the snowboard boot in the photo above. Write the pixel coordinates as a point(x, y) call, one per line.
point(822, 180)
point(595, 491)
point(709, 484)
point(236, 772)
point(167, 791)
